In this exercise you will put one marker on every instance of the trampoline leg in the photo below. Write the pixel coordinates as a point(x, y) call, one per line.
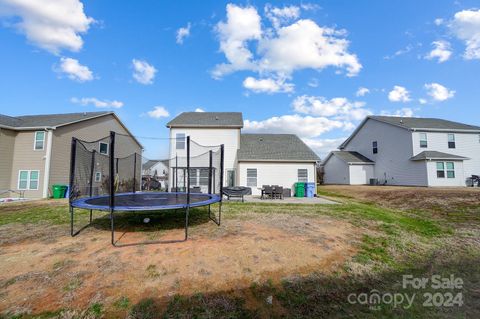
point(220, 214)
point(91, 216)
point(112, 227)
point(187, 211)
point(71, 221)
point(209, 212)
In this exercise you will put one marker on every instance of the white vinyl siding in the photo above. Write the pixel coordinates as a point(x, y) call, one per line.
point(28, 180)
point(336, 171)
point(39, 143)
point(284, 174)
point(251, 177)
point(180, 141)
point(302, 175)
point(452, 170)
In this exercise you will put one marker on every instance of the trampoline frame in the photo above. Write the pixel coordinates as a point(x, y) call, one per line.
point(112, 208)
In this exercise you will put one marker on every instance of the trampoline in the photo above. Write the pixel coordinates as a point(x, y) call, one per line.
point(110, 180)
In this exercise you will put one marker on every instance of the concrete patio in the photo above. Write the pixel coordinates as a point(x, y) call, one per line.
point(286, 200)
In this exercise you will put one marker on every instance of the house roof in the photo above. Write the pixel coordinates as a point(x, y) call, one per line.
point(52, 121)
point(352, 157)
point(424, 123)
point(434, 155)
point(47, 120)
point(274, 147)
point(149, 164)
point(416, 123)
point(207, 119)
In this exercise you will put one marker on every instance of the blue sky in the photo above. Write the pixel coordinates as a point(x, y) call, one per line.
point(310, 68)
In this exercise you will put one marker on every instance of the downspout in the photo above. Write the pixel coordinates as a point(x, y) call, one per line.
point(48, 158)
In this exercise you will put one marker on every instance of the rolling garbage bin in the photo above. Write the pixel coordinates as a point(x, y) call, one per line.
point(59, 191)
point(299, 189)
point(309, 189)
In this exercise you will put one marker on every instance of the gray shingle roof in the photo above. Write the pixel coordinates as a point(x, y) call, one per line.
point(207, 119)
point(46, 120)
point(426, 123)
point(352, 157)
point(427, 155)
point(148, 164)
point(274, 147)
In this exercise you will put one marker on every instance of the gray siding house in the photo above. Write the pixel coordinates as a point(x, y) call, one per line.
point(35, 149)
point(406, 151)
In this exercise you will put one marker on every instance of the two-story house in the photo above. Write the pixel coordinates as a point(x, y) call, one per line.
point(250, 160)
point(35, 149)
point(406, 151)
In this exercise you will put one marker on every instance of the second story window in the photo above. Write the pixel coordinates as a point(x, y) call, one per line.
point(451, 140)
point(423, 140)
point(180, 141)
point(39, 140)
point(103, 148)
point(375, 147)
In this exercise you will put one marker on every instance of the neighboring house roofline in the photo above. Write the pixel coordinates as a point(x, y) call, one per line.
point(435, 155)
point(357, 159)
point(411, 129)
point(207, 120)
point(279, 160)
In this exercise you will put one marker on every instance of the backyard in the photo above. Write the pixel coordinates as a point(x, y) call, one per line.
point(265, 260)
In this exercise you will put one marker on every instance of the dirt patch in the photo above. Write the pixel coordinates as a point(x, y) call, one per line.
point(64, 272)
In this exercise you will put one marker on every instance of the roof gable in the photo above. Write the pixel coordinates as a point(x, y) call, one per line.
point(207, 119)
point(47, 120)
point(274, 147)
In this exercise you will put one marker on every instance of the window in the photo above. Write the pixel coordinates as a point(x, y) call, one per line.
point(423, 140)
point(440, 170)
point(450, 169)
point(302, 175)
point(103, 147)
point(199, 176)
point(39, 140)
point(180, 141)
point(98, 176)
point(28, 180)
point(375, 147)
point(451, 140)
point(251, 177)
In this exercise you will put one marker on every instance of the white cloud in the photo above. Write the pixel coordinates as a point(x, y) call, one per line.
point(438, 92)
point(438, 21)
point(283, 50)
point(85, 101)
point(50, 25)
point(397, 53)
point(466, 27)
point(158, 112)
point(422, 101)
point(303, 126)
point(183, 33)
point(324, 146)
point(198, 109)
point(362, 91)
point(339, 108)
point(280, 16)
point(143, 72)
point(399, 94)
point(313, 83)
point(441, 51)
point(74, 70)
point(268, 85)
point(404, 112)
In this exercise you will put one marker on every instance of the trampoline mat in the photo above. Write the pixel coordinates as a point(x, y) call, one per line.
point(146, 201)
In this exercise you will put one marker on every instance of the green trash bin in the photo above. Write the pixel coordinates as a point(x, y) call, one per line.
point(59, 191)
point(299, 189)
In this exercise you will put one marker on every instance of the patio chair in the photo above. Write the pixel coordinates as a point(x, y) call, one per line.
point(267, 192)
point(278, 192)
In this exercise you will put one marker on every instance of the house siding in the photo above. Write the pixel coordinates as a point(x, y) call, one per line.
point(336, 171)
point(433, 180)
point(466, 145)
point(7, 144)
point(230, 137)
point(284, 174)
point(88, 130)
point(26, 158)
point(392, 162)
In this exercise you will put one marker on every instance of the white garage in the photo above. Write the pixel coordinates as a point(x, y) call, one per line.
point(351, 168)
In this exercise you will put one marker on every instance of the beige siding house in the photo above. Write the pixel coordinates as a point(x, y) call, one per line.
point(35, 149)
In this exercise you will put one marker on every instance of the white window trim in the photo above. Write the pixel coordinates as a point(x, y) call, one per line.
point(256, 177)
point(298, 175)
point(99, 148)
point(35, 141)
point(99, 179)
point(420, 140)
point(184, 141)
point(29, 172)
point(446, 170)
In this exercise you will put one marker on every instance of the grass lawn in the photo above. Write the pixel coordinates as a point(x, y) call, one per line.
point(264, 261)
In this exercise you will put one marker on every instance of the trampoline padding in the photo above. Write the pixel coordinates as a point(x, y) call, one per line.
point(142, 201)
